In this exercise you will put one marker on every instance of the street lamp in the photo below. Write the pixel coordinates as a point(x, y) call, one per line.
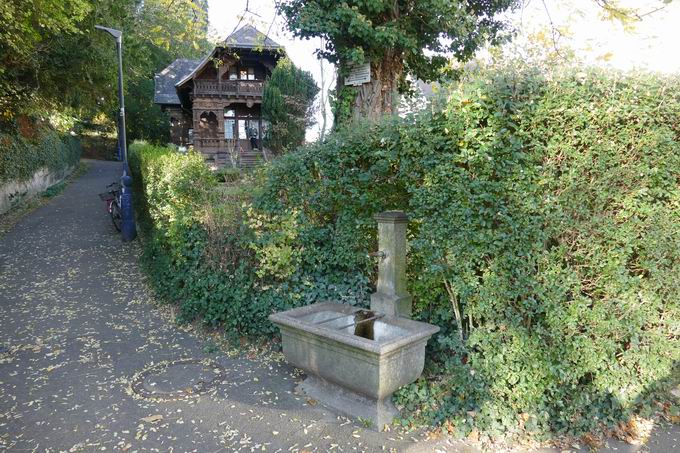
point(128, 229)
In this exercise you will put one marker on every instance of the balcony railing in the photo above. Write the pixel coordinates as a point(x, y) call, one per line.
point(221, 144)
point(209, 143)
point(229, 87)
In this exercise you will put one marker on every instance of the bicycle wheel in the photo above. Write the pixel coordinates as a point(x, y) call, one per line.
point(116, 216)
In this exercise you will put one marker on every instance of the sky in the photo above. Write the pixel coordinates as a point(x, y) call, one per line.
point(653, 44)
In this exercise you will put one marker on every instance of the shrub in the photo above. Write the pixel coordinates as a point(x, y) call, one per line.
point(20, 157)
point(206, 251)
point(544, 240)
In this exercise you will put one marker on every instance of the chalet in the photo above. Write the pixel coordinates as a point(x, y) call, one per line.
point(214, 104)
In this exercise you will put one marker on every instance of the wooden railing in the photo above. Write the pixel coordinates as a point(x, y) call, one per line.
point(220, 144)
point(209, 143)
point(229, 87)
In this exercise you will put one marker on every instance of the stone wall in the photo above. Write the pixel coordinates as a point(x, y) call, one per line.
point(14, 192)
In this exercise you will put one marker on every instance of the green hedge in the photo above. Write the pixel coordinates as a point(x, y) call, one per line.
point(204, 246)
point(20, 158)
point(545, 212)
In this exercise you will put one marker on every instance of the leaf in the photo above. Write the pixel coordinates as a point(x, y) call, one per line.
point(152, 418)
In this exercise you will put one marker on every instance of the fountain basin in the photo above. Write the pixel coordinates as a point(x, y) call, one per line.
point(354, 359)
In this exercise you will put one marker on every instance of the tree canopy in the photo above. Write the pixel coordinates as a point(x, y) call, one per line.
point(53, 59)
point(398, 38)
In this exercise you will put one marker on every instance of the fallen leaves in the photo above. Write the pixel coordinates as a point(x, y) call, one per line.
point(635, 431)
point(152, 418)
point(473, 436)
point(78, 301)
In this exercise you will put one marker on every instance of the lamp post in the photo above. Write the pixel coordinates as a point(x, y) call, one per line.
point(128, 229)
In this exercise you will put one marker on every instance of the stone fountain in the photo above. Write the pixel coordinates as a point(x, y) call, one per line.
point(355, 359)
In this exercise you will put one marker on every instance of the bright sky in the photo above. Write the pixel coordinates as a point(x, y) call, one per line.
point(652, 45)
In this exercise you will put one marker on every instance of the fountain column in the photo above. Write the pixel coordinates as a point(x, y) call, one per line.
point(391, 297)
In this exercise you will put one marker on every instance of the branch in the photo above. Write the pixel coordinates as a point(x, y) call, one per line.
point(241, 16)
point(623, 13)
point(553, 29)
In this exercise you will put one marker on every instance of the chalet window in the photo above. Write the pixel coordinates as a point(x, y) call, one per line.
point(229, 123)
point(229, 128)
point(254, 124)
point(247, 74)
point(233, 75)
point(242, 130)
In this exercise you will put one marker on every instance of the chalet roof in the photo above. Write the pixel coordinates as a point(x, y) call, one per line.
point(246, 37)
point(164, 81)
point(249, 37)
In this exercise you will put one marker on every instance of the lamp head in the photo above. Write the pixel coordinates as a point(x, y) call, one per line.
point(112, 31)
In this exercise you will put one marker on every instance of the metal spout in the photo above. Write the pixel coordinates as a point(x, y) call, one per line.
point(379, 254)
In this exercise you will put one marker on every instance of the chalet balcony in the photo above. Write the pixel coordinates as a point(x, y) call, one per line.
point(230, 88)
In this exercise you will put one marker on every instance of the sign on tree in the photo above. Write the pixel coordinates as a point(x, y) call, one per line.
point(359, 74)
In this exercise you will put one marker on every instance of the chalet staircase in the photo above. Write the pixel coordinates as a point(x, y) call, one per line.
point(250, 158)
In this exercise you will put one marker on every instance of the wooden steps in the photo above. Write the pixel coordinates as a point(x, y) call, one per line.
point(250, 159)
point(247, 159)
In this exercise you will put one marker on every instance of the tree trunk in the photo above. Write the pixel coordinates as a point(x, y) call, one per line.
point(380, 96)
point(322, 101)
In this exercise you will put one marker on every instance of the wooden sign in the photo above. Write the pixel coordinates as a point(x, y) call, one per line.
point(359, 74)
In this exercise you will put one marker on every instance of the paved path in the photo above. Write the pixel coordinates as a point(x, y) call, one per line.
point(76, 328)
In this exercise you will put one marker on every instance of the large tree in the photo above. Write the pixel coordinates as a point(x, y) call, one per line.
point(398, 38)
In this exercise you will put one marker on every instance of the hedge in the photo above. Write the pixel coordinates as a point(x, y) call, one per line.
point(20, 158)
point(545, 209)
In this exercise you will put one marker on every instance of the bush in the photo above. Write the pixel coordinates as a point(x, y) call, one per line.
point(203, 249)
point(20, 157)
point(544, 240)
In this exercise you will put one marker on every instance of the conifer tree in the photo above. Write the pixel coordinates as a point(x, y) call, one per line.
point(287, 104)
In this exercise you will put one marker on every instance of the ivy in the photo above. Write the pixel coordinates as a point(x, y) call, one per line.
point(342, 102)
point(21, 158)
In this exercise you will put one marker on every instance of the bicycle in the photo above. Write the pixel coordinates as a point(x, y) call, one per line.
point(112, 200)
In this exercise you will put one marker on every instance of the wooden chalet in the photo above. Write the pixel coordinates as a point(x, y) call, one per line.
point(214, 104)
